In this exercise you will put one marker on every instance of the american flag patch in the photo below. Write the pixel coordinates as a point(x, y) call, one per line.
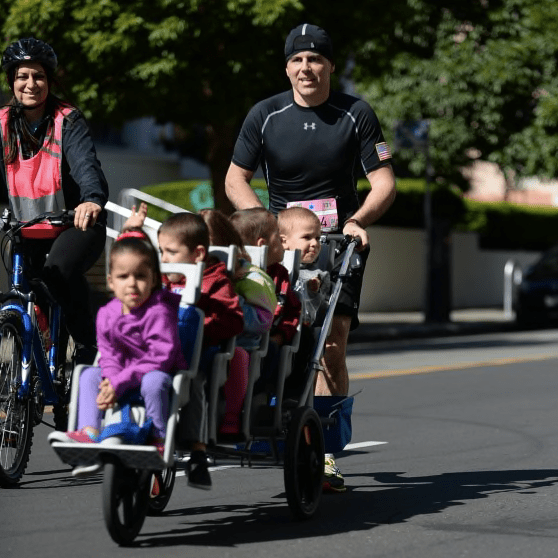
point(383, 150)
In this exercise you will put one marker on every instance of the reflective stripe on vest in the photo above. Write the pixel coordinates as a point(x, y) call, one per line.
point(35, 184)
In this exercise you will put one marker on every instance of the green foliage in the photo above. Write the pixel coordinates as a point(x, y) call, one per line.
point(172, 59)
point(512, 227)
point(198, 64)
point(484, 74)
point(183, 61)
point(191, 195)
point(408, 209)
point(501, 225)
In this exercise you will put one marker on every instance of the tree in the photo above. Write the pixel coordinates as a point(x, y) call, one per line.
point(200, 64)
point(484, 74)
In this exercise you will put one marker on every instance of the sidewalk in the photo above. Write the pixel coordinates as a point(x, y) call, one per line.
point(409, 325)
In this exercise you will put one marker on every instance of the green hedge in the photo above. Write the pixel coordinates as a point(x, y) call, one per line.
point(500, 225)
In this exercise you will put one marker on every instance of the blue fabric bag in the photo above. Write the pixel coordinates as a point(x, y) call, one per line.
point(337, 410)
point(128, 429)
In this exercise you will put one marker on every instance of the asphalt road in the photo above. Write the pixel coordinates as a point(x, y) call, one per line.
point(466, 468)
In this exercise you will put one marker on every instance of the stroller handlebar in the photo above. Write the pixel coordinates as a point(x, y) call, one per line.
point(342, 240)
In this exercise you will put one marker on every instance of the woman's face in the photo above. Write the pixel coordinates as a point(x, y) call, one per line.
point(31, 85)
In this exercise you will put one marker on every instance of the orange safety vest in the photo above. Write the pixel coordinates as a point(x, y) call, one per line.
point(35, 184)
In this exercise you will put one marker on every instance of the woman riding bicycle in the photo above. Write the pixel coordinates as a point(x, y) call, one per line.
point(49, 164)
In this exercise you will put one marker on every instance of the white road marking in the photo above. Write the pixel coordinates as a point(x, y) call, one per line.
point(363, 445)
point(237, 465)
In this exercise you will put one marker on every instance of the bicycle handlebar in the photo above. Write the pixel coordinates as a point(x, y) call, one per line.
point(56, 218)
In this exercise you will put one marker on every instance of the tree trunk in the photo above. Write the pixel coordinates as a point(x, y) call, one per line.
point(438, 295)
point(221, 139)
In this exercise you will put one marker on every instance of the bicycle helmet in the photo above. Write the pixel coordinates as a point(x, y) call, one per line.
point(29, 50)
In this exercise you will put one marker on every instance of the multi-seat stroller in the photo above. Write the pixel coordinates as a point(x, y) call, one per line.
point(284, 430)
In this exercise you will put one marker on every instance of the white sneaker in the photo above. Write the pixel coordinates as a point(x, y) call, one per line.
point(86, 470)
point(112, 441)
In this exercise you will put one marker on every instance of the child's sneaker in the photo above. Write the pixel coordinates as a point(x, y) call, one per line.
point(333, 479)
point(83, 436)
point(81, 471)
point(198, 471)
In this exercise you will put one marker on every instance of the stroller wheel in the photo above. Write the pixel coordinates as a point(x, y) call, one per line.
point(165, 479)
point(125, 501)
point(304, 463)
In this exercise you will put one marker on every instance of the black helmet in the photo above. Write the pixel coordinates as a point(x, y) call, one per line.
point(29, 50)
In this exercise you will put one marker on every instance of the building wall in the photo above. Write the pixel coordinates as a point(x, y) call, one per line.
point(395, 273)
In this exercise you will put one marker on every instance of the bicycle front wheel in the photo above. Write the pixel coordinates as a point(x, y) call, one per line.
point(16, 416)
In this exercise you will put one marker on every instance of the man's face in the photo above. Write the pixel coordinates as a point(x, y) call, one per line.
point(309, 74)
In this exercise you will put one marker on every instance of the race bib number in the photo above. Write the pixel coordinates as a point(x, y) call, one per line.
point(326, 210)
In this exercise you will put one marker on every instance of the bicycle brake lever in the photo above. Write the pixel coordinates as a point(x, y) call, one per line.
point(64, 217)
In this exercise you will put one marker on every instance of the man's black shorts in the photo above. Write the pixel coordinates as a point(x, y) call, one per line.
point(349, 298)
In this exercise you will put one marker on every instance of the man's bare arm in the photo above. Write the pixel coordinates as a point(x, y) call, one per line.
point(376, 203)
point(238, 189)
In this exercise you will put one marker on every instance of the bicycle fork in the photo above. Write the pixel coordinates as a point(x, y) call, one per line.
point(32, 341)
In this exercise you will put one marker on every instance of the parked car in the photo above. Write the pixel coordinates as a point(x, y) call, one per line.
point(536, 299)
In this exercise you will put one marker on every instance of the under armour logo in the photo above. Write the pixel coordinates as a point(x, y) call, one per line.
point(310, 126)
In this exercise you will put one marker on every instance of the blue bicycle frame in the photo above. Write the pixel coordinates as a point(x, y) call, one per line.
point(32, 339)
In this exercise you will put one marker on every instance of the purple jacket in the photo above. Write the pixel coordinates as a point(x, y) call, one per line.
point(144, 340)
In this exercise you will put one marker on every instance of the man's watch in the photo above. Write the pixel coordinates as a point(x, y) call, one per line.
point(355, 221)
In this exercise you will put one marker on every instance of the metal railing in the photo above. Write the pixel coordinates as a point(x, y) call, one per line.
point(122, 210)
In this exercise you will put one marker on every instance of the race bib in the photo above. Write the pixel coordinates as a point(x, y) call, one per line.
point(326, 210)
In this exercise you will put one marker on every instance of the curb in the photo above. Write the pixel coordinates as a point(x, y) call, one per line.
point(367, 333)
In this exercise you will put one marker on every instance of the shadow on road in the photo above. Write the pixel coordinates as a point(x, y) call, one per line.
point(391, 498)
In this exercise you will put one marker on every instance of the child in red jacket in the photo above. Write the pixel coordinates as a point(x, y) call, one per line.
point(258, 227)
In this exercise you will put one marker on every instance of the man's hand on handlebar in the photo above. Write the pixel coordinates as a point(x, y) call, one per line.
point(86, 214)
point(353, 230)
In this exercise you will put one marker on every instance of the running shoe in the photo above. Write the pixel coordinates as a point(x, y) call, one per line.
point(333, 480)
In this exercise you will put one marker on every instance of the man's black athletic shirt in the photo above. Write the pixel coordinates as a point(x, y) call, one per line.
point(311, 153)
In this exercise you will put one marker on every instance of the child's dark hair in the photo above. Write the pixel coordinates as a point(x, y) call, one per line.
point(254, 223)
point(189, 228)
point(221, 230)
point(137, 242)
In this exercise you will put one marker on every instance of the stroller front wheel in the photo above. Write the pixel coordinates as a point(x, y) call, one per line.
point(125, 501)
point(304, 463)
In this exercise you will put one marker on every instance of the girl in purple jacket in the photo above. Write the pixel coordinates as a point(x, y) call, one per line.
point(137, 336)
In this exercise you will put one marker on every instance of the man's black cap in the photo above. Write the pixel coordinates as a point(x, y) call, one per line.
point(308, 37)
